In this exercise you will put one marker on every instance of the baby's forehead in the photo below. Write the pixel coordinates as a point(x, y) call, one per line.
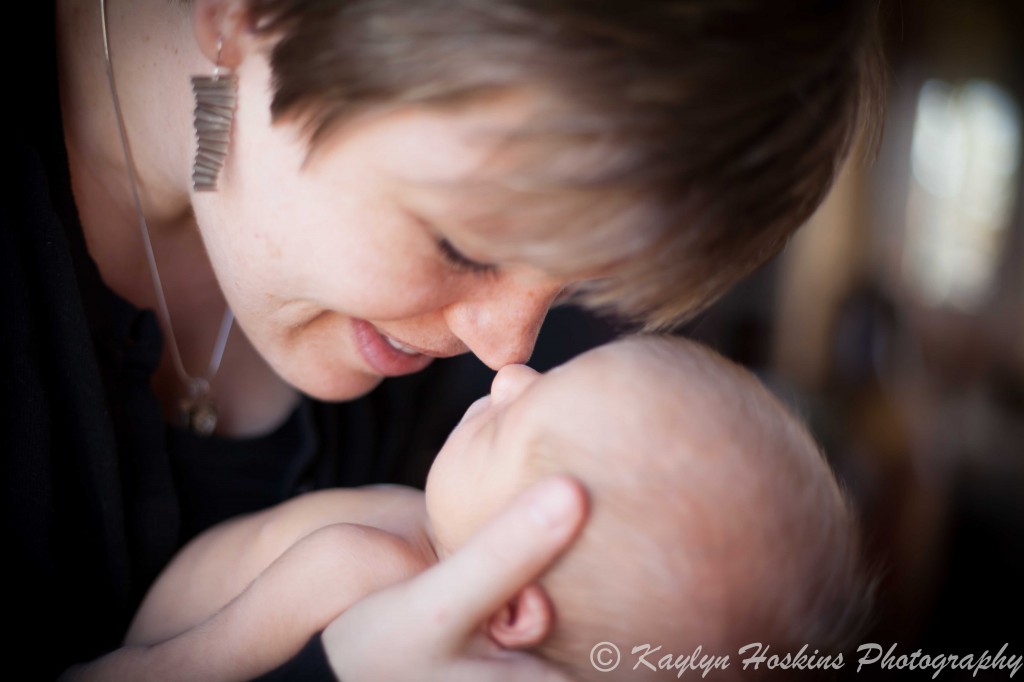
point(590, 380)
point(667, 392)
point(614, 392)
point(625, 369)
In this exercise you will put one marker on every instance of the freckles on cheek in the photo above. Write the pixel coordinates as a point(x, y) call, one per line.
point(394, 291)
point(422, 292)
point(270, 248)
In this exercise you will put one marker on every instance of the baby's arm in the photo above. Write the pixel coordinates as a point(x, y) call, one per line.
point(295, 597)
point(218, 565)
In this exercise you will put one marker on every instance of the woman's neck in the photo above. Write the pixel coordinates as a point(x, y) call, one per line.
point(153, 52)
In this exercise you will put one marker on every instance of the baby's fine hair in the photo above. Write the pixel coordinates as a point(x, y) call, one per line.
point(715, 520)
point(717, 127)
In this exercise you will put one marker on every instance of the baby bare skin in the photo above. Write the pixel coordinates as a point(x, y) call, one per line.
point(286, 573)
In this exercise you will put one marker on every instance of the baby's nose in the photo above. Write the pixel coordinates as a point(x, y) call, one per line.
point(510, 381)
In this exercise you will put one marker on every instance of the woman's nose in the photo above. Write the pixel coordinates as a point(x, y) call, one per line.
point(500, 325)
point(510, 381)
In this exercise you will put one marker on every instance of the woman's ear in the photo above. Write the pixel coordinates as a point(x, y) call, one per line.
point(222, 30)
point(524, 621)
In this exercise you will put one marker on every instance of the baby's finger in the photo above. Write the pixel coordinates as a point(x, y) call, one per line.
point(502, 558)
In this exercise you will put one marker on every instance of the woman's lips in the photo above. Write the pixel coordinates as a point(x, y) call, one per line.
point(386, 356)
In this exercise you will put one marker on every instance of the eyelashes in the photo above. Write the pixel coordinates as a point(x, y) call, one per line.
point(459, 262)
point(452, 257)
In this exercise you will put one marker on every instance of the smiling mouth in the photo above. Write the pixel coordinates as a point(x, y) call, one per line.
point(386, 356)
point(399, 346)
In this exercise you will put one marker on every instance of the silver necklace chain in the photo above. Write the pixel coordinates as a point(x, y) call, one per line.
point(198, 387)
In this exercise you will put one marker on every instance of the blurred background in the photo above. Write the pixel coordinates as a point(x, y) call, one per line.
point(894, 324)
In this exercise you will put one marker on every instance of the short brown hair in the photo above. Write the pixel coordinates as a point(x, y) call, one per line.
point(731, 117)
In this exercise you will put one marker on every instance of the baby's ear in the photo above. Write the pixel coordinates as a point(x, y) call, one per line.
point(524, 621)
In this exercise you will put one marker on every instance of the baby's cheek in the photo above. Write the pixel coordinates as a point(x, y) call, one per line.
point(460, 526)
point(456, 522)
point(444, 509)
point(490, 503)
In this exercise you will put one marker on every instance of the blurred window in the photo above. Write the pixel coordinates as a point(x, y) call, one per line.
point(965, 160)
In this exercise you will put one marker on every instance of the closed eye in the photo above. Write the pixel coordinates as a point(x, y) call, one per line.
point(457, 261)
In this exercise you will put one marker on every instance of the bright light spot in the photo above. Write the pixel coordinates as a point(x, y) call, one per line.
point(965, 158)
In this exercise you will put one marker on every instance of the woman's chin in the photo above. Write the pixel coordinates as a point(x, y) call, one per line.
point(332, 386)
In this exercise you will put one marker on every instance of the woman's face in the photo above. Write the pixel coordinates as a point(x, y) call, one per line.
point(366, 258)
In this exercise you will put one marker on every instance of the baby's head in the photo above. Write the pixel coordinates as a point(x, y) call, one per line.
point(714, 519)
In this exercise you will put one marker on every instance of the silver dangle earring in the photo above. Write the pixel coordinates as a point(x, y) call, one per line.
point(198, 410)
point(215, 109)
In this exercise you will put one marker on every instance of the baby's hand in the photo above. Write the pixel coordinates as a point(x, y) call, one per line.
point(429, 627)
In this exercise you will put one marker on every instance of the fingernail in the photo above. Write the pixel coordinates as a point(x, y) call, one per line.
point(554, 503)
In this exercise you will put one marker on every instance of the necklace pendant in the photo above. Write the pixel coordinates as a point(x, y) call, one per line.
point(199, 413)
